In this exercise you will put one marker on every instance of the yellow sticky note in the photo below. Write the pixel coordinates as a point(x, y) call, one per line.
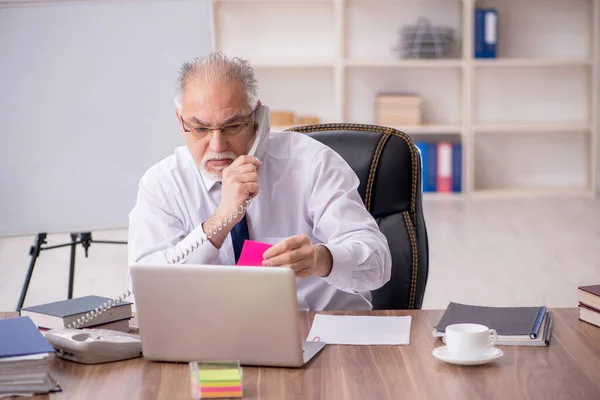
point(220, 375)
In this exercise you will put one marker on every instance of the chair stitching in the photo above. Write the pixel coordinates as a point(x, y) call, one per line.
point(415, 260)
point(373, 170)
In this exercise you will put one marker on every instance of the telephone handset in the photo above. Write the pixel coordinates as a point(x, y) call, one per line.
point(262, 118)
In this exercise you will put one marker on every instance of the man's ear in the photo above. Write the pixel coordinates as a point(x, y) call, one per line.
point(181, 131)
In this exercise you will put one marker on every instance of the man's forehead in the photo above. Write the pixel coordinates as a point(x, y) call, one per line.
point(214, 97)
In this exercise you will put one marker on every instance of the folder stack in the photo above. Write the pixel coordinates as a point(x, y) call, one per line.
point(403, 109)
point(24, 359)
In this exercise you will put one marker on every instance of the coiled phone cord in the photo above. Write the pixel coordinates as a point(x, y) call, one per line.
point(186, 252)
point(110, 303)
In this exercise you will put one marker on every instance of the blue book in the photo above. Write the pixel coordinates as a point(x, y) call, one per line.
point(457, 167)
point(432, 167)
point(486, 32)
point(479, 33)
point(60, 314)
point(20, 337)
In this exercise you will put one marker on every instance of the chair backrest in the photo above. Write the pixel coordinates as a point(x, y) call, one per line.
point(388, 165)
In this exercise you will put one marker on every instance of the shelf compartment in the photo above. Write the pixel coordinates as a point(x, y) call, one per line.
point(532, 95)
point(294, 89)
point(276, 29)
point(539, 162)
point(507, 128)
point(439, 88)
point(389, 17)
point(528, 29)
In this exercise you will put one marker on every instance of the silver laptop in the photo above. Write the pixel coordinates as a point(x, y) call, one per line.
point(211, 313)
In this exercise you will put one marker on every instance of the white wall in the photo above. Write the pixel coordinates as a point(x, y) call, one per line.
point(86, 106)
point(597, 111)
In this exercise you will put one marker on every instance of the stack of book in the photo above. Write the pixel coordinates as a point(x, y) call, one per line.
point(60, 314)
point(516, 326)
point(24, 359)
point(441, 166)
point(392, 109)
point(589, 304)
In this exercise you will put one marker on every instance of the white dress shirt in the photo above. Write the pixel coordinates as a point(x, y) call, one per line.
point(304, 188)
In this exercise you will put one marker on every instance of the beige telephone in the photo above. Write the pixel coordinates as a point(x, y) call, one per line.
point(94, 346)
point(263, 120)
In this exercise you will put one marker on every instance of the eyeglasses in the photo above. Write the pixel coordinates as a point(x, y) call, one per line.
point(227, 130)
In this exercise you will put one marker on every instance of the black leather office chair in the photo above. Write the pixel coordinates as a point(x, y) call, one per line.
point(388, 166)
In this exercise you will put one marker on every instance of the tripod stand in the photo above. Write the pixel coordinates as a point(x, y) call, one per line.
point(83, 238)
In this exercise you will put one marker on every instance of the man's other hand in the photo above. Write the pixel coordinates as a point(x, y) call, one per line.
point(299, 254)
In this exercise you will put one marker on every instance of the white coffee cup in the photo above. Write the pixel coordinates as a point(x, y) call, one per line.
point(467, 341)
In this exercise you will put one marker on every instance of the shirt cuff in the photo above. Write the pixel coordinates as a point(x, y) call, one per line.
point(206, 253)
point(341, 271)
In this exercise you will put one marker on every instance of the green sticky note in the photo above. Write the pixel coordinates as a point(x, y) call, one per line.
point(219, 375)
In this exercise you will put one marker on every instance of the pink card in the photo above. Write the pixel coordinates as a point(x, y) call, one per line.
point(252, 253)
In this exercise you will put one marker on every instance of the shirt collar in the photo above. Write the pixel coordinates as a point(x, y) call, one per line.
point(209, 181)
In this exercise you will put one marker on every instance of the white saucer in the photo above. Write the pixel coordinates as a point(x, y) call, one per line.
point(491, 354)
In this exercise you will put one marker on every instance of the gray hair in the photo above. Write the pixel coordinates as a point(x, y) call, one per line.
point(217, 68)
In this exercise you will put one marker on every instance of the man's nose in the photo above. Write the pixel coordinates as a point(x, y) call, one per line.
point(217, 143)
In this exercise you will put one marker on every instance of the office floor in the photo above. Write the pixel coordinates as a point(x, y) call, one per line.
point(492, 252)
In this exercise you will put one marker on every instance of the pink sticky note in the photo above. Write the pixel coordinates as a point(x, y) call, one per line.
point(252, 253)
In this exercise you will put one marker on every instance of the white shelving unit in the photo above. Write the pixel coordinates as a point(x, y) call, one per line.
point(527, 120)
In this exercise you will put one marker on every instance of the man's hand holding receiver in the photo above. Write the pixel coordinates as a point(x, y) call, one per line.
point(239, 182)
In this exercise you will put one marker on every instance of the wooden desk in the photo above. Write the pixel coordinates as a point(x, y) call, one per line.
point(568, 369)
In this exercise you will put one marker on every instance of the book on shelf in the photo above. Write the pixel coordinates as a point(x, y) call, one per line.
point(59, 314)
point(516, 326)
point(441, 166)
point(589, 304)
point(486, 32)
point(24, 359)
point(398, 108)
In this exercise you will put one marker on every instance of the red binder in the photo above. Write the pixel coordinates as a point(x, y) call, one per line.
point(444, 173)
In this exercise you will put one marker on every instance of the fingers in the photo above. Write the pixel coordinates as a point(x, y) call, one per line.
point(247, 177)
point(234, 170)
point(296, 253)
point(291, 257)
point(286, 245)
point(245, 159)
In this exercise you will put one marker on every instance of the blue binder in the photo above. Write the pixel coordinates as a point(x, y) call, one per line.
point(486, 32)
point(457, 167)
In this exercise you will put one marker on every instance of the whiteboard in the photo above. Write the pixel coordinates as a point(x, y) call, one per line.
point(86, 106)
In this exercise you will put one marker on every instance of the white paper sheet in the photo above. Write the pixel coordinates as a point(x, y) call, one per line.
point(360, 330)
